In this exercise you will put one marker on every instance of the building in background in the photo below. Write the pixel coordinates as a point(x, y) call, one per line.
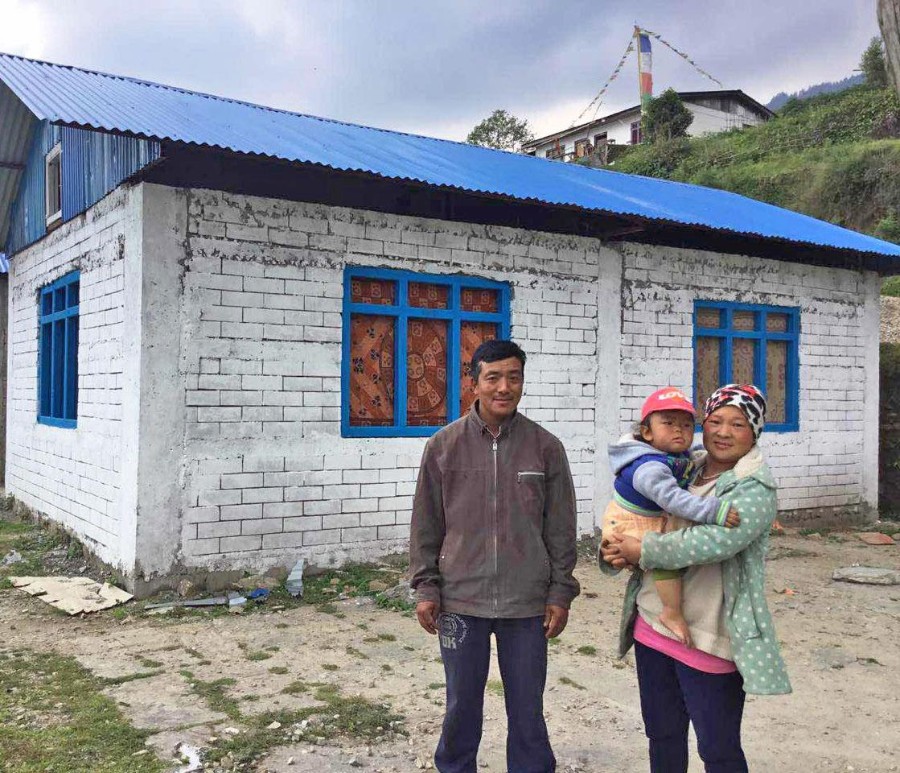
point(713, 111)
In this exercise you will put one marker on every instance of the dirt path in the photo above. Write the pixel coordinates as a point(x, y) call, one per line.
point(840, 642)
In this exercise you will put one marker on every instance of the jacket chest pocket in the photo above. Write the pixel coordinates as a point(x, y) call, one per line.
point(530, 489)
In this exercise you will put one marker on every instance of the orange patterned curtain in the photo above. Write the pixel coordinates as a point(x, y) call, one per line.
point(706, 375)
point(478, 299)
point(472, 335)
point(426, 372)
point(371, 371)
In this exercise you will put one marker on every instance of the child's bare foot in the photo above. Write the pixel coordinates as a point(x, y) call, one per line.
point(675, 622)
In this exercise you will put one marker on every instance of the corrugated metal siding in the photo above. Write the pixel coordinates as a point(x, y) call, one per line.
point(28, 222)
point(93, 164)
point(94, 100)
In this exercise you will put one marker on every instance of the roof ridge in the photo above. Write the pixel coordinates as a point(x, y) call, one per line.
point(254, 105)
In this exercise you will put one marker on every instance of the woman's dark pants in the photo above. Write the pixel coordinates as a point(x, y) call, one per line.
point(673, 694)
point(522, 655)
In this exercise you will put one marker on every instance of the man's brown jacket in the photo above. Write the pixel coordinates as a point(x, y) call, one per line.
point(493, 523)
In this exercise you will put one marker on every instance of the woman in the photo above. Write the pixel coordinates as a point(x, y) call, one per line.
point(735, 648)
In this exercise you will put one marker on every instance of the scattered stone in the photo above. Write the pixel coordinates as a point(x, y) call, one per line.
point(867, 575)
point(273, 726)
point(378, 585)
point(355, 763)
point(875, 538)
point(186, 589)
point(231, 731)
point(294, 581)
point(401, 591)
point(13, 557)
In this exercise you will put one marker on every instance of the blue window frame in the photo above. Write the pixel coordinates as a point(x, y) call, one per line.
point(741, 343)
point(406, 341)
point(58, 352)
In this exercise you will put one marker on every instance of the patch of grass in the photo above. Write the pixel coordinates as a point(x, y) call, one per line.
point(408, 648)
point(356, 653)
point(351, 580)
point(387, 637)
point(278, 670)
point(296, 687)
point(353, 717)
point(54, 717)
point(587, 650)
point(258, 655)
point(329, 667)
point(495, 686)
point(570, 683)
point(554, 641)
point(149, 663)
point(215, 694)
point(32, 541)
point(328, 608)
point(436, 686)
point(110, 681)
point(386, 667)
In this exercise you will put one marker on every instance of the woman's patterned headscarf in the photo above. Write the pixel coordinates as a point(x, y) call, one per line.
point(747, 397)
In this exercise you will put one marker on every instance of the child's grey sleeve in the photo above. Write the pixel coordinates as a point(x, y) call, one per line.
point(655, 481)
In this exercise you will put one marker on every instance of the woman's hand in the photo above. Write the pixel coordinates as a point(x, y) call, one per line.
point(620, 551)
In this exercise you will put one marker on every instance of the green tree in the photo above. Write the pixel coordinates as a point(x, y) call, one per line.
point(872, 65)
point(666, 117)
point(500, 130)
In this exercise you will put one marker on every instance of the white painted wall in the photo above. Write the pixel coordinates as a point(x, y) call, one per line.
point(268, 477)
point(708, 119)
point(78, 476)
point(828, 467)
point(209, 427)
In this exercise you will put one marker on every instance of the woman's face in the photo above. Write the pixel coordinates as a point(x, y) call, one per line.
point(727, 435)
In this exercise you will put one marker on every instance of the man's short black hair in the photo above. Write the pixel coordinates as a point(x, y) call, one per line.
point(494, 351)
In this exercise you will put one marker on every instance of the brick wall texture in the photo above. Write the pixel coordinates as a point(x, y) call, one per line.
point(74, 476)
point(266, 475)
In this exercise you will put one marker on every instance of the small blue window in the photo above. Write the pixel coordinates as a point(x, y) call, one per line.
point(743, 343)
point(408, 339)
point(58, 352)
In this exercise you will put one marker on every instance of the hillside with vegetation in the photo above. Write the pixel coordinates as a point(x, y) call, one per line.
point(835, 156)
point(781, 97)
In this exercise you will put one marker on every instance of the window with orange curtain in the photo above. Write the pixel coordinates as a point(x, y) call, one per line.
point(745, 343)
point(408, 343)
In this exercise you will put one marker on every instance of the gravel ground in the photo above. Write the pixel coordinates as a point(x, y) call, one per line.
point(839, 641)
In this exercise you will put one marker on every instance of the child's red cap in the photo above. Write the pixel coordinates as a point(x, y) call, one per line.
point(667, 399)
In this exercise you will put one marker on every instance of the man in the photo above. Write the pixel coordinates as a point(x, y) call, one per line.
point(492, 549)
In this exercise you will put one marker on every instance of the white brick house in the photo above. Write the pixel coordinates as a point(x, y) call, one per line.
point(712, 112)
point(221, 419)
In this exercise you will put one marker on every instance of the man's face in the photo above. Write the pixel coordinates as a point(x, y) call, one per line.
point(499, 389)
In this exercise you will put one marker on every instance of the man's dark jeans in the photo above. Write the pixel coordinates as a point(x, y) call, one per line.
point(673, 694)
point(522, 655)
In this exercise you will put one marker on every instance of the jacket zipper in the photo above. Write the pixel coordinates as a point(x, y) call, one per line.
point(496, 527)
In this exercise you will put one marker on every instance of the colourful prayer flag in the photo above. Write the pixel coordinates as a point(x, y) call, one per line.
point(645, 69)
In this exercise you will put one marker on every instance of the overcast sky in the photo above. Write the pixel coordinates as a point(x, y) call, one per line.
point(438, 67)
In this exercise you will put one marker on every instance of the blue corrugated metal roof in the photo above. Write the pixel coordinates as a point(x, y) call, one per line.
point(73, 96)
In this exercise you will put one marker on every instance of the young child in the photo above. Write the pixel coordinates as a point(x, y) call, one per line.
point(653, 468)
